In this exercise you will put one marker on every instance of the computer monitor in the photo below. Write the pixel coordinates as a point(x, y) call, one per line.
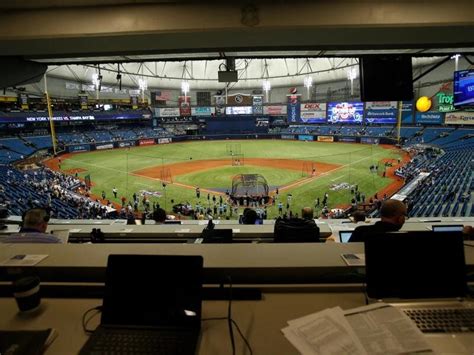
point(447, 228)
point(415, 265)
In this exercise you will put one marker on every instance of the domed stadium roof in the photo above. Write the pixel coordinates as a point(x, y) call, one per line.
point(203, 74)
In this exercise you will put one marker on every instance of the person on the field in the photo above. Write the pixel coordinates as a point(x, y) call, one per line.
point(114, 191)
point(392, 217)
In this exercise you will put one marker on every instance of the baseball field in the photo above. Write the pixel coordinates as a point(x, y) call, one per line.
point(170, 173)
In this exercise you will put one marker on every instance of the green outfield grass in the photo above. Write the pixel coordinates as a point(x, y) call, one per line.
point(115, 168)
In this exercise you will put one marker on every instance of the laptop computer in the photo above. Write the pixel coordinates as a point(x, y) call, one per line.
point(457, 228)
point(344, 236)
point(62, 234)
point(424, 274)
point(152, 305)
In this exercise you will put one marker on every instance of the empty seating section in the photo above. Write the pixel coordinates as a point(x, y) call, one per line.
point(40, 142)
point(99, 136)
point(447, 191)
point(430, 134)
point(16, 145)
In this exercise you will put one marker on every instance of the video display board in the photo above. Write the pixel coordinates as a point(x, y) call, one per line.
point(345, 112)
point(463, 88)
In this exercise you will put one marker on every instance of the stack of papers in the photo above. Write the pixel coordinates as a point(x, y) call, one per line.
point(373, 329)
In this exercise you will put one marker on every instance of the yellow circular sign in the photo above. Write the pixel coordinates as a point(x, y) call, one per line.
point(423, 104)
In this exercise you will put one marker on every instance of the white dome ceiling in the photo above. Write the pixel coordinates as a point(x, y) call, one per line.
point(202, 74)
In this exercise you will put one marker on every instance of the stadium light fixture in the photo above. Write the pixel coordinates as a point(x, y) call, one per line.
point(308, 82)
point(185, 87)
point(456, 61)
point(142, 84)
point(351, 75)
point(267, 86)
point(96, 80)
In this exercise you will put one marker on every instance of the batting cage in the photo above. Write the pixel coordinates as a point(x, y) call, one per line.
point(165, 175)
point(233, 149)
point(249, 186)
point(309, 169)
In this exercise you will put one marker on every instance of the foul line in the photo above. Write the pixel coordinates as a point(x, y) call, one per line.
point(309, 179)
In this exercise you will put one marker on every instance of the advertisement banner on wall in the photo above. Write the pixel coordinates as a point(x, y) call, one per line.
point(202, 111)
point(287, 136)
point(167, 112)
point(275, 110)
point(24, 101)
point(381, 116)
point(79, 148)
point(164, 140)
point(407, 112)
point(126, 144)
point(445, 102)
point(305, 137)
point(429, 117)
point(220, 105)
point(146, 142)
point(83, 101)
point(313, 113)
point(238, 110)
point(294, 108)
point(134, 102)
point(347, 139)
point(345, 112)
point(104, 146)
point(257, 107)
point(368, 140)
point(325, 139)
point(184, 104)
point(239, 100)
point(460, 117)
point(381, 105)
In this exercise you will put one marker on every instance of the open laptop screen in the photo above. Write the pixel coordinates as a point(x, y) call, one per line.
point(153, 290)
point(344, 236)
point(447, 228)
point(415, 265)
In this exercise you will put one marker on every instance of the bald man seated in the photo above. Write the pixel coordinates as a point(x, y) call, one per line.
point(392, 218)
point(35, 223)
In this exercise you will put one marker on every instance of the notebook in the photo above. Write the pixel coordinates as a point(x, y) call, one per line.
point(151, 303)
point(344, 236)
point(424, 274)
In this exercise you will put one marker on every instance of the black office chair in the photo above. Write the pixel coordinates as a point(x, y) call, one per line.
point(295, 230)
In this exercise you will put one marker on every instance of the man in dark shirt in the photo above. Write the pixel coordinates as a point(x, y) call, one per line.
point(392, 218)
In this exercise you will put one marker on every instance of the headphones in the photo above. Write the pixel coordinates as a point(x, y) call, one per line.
point(46, 217)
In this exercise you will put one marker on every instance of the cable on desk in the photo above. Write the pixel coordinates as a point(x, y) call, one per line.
point(231, 322)
point(229, 316)
point(85, 321)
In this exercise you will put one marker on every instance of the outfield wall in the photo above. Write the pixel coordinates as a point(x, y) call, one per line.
point(85, 147)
